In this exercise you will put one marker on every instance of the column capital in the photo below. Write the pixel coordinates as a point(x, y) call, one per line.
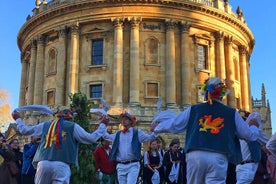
point(170, 24)
point(219, 35)
point(228, 40)
point(75, 28)
point(118, 21)
point(242, 49)
point(33, 43)
point(135, 21)
point(62, 32)
point(185, 26)
point(41, 39)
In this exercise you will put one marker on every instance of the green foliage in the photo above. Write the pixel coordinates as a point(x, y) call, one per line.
point(86, 174)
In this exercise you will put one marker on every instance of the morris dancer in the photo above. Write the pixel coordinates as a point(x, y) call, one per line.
point(59, 145)
point(212, 134)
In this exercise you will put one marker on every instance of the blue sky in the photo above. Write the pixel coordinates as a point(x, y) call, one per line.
point(258, 15)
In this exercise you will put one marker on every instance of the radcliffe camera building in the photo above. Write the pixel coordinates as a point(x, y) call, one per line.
point(132, 52)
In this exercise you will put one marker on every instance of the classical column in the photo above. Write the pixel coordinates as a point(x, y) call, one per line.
point(31, 79)
point(230, 72)
point(61, 67)
point(23, 82)
point(39, 70)
point(134, 61)
point(74, 60)
point(220, 59)
point(212, 62)
point(186, 66)
point(170, 64)
point(118, 61)
point(245, 98)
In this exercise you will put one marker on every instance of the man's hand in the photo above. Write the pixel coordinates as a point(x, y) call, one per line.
point(104, 119)
point(16, 115)
point(253, 122)
point(153, 125)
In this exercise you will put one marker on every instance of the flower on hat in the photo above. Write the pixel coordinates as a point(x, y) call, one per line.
point(128, 115)
point(214, 88)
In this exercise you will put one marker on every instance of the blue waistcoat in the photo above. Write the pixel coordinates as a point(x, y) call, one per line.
point(211, 127)
point(255, 150)
point(135, 144)
point(68, 153)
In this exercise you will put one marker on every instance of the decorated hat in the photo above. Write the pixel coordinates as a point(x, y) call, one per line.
point(129, 116)
point(244, 114)
point(65, 112)
point(214, 88)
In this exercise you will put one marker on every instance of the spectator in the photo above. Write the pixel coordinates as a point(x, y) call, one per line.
point(183, 160)
point(28, 171)
point(271, 167)
point(173, 158)
point(152, 162)
point(8, 167)
point(18, 157)
point(106, 169)
point(161, 149)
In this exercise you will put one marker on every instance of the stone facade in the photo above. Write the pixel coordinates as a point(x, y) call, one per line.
point(153, 48)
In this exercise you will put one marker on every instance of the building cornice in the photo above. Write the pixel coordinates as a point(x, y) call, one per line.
point(49, 12)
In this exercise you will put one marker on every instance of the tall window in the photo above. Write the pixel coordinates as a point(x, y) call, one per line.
point(51, 98)
point(201, 57)
point(151, 51)
point(52, 61)
point(96, 91)
point(97, 52)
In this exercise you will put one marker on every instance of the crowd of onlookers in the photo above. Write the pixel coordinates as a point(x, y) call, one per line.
point(16, 166)
point(157, 158)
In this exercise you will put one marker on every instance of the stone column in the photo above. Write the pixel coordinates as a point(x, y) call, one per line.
point(118, 62)
point(23, 82)
point(74, 60)
point(39, 70)
point(220, 59)
point(245, 98)
point(186, 66)
point(61, 69)
point(170, 64)
point(230, 72)
point(31, 79)
point(134, 62)
point(212, 62)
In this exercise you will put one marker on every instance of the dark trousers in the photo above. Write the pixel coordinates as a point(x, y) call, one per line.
point(27, 179)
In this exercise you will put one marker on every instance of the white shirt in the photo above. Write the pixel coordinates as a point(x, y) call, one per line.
point(271, 144)
point(124, 149)
point(179, 124)
point(79, 133)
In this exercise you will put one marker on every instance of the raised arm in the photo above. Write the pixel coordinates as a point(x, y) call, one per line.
point(88, 138)
point(34, 130)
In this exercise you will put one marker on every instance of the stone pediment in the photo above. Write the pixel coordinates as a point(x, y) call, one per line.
point(94, 29)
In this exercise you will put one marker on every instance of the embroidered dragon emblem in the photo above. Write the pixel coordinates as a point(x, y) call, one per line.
point(214, 125)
